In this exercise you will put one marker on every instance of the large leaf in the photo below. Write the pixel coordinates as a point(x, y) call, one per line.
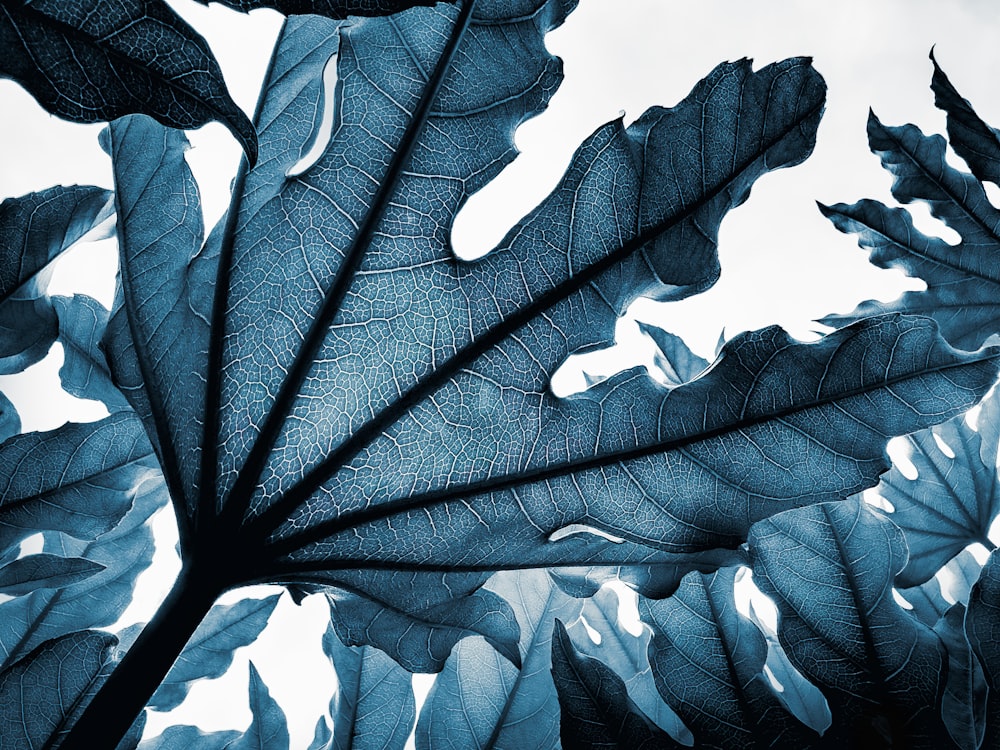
point(79, 479)
point(210, 651)
point(97, 601)
point(963, 281)
point(953, 500)
point(708, 663)
point(40, 692)
point(35, 229)
point(596, 711)
point(374, 708)
point(88, 61)
point(830, 568)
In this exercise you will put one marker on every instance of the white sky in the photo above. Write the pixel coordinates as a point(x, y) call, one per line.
point(782, 262)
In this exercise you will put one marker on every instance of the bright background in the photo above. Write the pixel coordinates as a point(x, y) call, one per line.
point(782, 262)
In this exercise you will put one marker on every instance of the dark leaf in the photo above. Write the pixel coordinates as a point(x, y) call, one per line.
point(97, 601)
point(88, 61)
point(963, 282)
point(982, 627)
point(79, 478)
point(189, 738)
point(708, 662)
point(596, 711)
point(963, 705)
point(39, 693)
point(10, 424)
point(953, 500)
point(83, 324)
point(209, 652)
point(329, 8)
point(374, 708)
point(829, 568)
point(24, 575)
point(975, 141)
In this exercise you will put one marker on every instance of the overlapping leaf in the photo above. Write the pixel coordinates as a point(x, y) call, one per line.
point(79, 479)
point(830, 568)
point(35, 229)
point(268, 729)
point(124, 551)
point(982, 627)
point(963, 704)
point(596, 711)
point(374, 708)
point(209, 652)
point(708, 663)
point(963, 282)
point(186, 737)
point(40, 692)
point(953, 500)
point(24, 575)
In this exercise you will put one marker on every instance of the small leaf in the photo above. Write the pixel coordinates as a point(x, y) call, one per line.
point(829, 569)
point(708, 660)
point(374, 707)
point(596, 711)
point(10, 425)
point(322, 736)
point(79, 478)
point(209, 652)
point(421, 640)
point(189, 738)
point(677, 363)
point(268, 729)
point(85, 373)
point(88, 61)
point(42, 571)
point(39, 692)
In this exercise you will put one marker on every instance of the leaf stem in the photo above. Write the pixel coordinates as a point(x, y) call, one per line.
point(134, 680)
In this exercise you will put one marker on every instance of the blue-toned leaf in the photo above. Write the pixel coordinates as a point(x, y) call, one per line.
point(189, 738)
point(677, 363)
point(329, 8)
point(708, 661)
point(829, 568)
point(480, 699)
point(374, 708)
point(322, 736)
point(963, 704)
point(975, 141)
point(982, 627)
point(24, 575)
point(953, 500)
point(39, 693)
point(79, 479)
point(98, 601)
point(421, 640)
point(596, 711)
point(85, 373)
point(10, 421)
point(268, 729)
point(87, 61)
point(963, 281)
point(597, 633)
point(928, 599)
point(209, 652)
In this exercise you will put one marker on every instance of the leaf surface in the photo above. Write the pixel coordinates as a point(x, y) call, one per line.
point(374, 708)
point(97, 601)
point(268, 729)
point(963, 705)
point(954, 499)
point(829, 568)
point(39, 693)
point(87, 61)
point(963, 282)
point(329, 8)
point(24, 575)
point(982, 627)
point(188, 738)
point(79, 479)
point(596, 711)
point(708, 660)
point(209, 652)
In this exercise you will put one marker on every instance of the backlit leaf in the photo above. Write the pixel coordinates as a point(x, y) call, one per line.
point(24, 575)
